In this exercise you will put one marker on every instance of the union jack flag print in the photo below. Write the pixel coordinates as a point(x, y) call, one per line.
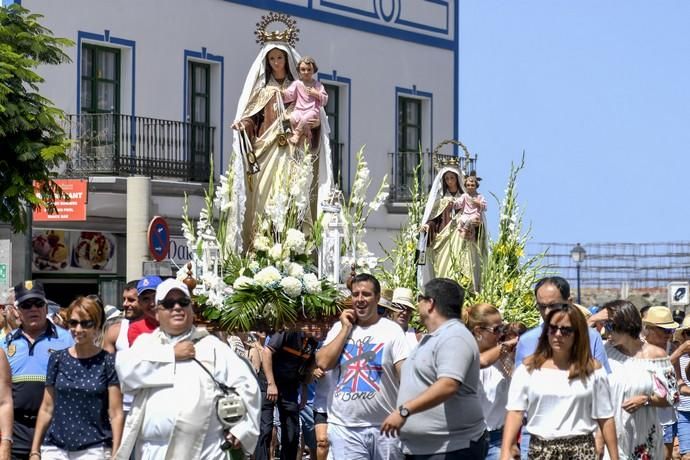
point(361, 367)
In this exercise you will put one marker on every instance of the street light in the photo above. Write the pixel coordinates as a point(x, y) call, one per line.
point(578, 254)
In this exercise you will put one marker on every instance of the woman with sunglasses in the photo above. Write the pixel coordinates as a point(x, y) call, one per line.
point(642, 379)
point(81, 413)
point(564, 392)
point(496, 362)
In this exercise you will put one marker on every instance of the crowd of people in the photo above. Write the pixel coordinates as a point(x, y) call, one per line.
point(146, 383)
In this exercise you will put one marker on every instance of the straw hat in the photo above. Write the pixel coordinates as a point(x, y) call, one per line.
point(661, 317)
point(685, 325)
point(403, 296)
point(385, 300)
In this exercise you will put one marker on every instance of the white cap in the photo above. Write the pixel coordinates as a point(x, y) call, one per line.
point(168, 285)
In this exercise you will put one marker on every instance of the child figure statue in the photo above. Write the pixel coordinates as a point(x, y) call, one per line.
point(471, 205)
point(309, 96)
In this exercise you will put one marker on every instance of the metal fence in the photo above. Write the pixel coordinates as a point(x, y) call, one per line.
point(404, 164)
point(116, 144)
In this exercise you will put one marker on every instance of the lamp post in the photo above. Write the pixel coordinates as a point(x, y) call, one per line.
point(578, 254)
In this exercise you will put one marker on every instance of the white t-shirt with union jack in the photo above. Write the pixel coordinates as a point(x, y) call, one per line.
point(366, 385)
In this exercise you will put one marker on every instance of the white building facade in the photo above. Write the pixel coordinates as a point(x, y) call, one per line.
point(158, 82)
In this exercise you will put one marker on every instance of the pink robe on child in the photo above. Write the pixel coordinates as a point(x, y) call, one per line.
point(306, 106)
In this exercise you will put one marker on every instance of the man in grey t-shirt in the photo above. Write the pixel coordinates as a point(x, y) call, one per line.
point(439, 414)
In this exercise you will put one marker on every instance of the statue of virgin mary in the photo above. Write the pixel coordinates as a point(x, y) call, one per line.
point(261, 154)
point(448, 251)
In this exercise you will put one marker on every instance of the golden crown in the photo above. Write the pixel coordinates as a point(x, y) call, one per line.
point(288, 35)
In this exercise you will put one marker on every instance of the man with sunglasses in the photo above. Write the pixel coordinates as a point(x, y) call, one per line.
point(176, 373)
point(28, 349)
point(552, 292)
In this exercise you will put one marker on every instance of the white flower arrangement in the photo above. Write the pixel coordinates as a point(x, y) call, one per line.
point(291, 286)
point(295, 241)
point(267, 276)
point(275, 279)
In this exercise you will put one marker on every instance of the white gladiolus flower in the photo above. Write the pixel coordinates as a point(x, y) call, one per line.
point(254, 266)
point(291, 286)
point(243, 282)
point(267, 275)
point(276, 251)
point(311, 283)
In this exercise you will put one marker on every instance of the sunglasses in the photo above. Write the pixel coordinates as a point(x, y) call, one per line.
point(169, 304)
point(608, 326)
point(664, 330)
point(85, 323)
point(30, 305)
point(496, 330)
point(552, 306)
point(566, 331)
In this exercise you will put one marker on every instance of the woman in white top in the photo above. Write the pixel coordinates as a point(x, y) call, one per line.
point(564, 391)
point(496, 360)
point(642, 379)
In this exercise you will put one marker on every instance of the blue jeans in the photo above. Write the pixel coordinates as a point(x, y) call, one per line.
point(493, 440)
point(306, 417)
point(684, 431)
point(524, 444)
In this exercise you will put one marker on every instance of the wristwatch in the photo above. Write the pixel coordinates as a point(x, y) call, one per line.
point(404, 411)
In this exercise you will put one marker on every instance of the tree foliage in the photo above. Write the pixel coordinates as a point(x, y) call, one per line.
point(32, 139)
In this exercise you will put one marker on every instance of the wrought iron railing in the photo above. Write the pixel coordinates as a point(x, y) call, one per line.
point(122, 145)
point(404, 164)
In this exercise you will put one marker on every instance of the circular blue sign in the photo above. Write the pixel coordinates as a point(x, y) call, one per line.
point(158, 236)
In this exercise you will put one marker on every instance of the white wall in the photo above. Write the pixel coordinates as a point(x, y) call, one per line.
point(375, 64)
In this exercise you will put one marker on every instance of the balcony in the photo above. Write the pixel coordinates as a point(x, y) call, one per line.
point(403, 166)
point(125, 145)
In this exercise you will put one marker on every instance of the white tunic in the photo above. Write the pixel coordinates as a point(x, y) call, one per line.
point(173, 414)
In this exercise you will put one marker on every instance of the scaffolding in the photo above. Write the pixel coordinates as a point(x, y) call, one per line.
point(617, 265)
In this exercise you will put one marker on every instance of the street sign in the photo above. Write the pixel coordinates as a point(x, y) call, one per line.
point(678, 294)
point(158, 237)
point(5, 265)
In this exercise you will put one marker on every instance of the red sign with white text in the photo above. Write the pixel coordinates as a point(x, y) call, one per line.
point(70, 210)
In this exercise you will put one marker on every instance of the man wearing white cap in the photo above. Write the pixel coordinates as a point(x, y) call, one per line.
point(402, 298)
point(177, 373)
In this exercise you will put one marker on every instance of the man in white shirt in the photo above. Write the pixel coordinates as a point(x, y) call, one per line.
point(174, 413)
point(365, 352)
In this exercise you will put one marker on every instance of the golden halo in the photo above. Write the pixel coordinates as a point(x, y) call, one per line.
point(289, 35)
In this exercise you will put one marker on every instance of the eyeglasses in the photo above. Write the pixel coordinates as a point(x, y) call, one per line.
point(28, 305)
point(85, 323)
point(169, 304)
point(552, 306)
point(608, 326)
point(566, 331)
point(500, 329)
point(421, 297)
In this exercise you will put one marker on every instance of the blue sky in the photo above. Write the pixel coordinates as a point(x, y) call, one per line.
point(597, 94)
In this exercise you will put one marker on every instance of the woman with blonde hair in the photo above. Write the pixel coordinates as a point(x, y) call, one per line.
point(564, 392)
point(81, 413)
point(485, 323)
